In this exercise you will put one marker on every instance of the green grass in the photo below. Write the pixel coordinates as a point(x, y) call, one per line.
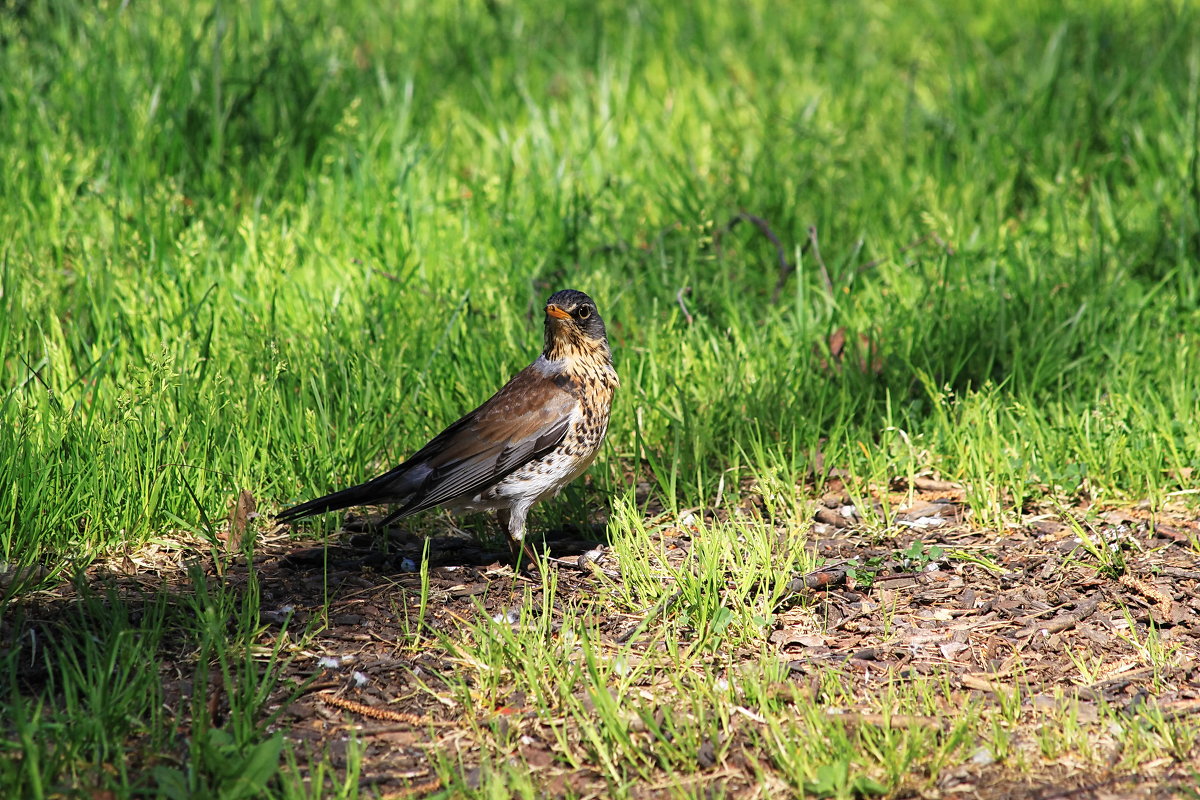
point(277, 245)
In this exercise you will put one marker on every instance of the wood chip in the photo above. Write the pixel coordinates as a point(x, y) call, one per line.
point(1082, 611)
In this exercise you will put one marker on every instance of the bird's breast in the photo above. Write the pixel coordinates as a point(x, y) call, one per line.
point(547, 475)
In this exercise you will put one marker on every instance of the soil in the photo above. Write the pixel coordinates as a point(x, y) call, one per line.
point(992, 611)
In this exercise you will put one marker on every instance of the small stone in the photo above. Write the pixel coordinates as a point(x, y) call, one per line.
point(982, 757)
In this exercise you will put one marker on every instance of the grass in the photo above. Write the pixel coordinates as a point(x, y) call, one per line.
point(274, 246)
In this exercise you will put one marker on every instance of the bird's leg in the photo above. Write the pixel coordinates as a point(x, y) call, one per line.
point(530, 556)
point(515, 530)
point(503, 516)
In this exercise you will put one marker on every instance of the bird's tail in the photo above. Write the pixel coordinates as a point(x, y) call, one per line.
point(361, 495)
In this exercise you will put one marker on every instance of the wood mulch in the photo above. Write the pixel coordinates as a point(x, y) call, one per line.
point(993, 612)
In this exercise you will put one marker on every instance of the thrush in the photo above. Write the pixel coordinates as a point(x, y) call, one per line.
point(524, 444)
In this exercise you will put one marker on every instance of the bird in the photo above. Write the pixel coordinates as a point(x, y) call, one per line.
point(535, 435)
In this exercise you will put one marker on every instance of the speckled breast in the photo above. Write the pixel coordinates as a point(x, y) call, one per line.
point(550, 473)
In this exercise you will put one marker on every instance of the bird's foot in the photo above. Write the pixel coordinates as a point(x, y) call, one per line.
point(524, 559)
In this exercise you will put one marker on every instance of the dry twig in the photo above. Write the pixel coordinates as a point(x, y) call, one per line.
point(786, 268)
point(683, 306)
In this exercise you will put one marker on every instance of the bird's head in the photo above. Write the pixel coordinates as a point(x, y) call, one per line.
point(574, 326)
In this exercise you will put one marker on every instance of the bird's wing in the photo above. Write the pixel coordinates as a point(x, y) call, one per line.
point(523, 421)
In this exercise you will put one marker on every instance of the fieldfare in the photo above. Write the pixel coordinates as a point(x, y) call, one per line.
point(529, 440)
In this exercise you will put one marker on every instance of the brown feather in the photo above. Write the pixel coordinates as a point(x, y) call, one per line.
point(539, 432)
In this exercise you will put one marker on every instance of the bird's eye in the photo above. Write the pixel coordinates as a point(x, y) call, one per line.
point(583, 313)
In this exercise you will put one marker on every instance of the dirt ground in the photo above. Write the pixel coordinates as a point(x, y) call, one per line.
point(991, 610)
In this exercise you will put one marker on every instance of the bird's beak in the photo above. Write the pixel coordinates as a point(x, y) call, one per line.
point(556, 312)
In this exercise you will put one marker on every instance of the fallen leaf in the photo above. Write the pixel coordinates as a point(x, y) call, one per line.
point(239, 517)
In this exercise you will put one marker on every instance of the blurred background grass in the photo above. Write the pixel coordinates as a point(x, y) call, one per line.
point(276, 245)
